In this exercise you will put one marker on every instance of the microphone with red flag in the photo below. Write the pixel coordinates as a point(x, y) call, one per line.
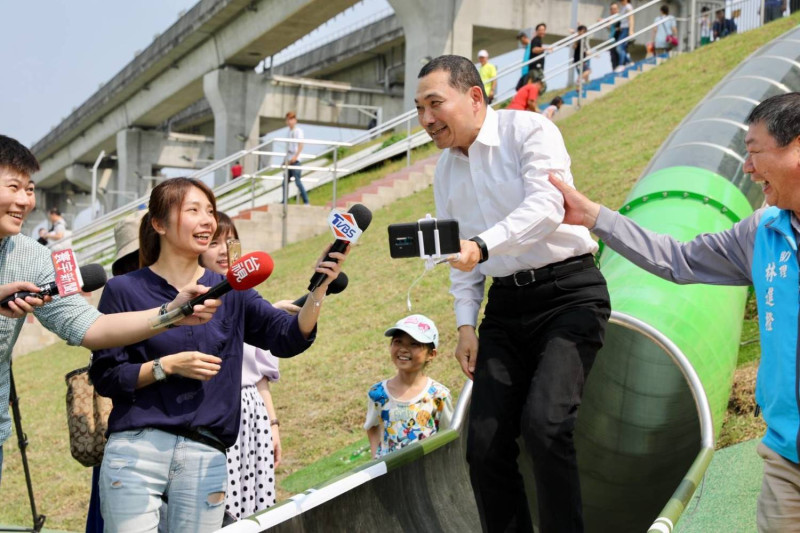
point(92, 278)
point(249, 271)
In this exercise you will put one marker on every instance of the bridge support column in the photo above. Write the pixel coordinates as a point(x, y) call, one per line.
point(433, 29)
point(235, 99)
point(137, 154)
point(80, 176)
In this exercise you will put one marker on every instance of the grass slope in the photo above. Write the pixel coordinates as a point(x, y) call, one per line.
point(321, 395)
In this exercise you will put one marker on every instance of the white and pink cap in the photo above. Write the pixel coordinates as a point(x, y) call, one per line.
point(420, 327)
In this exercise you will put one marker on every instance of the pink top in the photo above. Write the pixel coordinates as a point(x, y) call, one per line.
point(258, 363)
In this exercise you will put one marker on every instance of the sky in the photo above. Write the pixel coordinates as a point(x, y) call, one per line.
point(59, 52)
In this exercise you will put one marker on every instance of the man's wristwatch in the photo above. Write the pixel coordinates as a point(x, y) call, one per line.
point(482, 246)
point(158, 370)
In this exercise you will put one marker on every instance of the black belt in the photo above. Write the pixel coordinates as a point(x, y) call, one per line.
point(548, 272)
point(193, 434)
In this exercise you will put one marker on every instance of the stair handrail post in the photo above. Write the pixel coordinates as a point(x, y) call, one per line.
point(335, 167)
point(581, 59)
point(408, 142)
point(285, 210)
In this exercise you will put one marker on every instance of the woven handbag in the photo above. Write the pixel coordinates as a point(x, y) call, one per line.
point(87, 418)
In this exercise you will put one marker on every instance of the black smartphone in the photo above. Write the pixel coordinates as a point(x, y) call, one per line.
point(404, 238)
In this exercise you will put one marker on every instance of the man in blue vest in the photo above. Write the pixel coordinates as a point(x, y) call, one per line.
point(761, 250)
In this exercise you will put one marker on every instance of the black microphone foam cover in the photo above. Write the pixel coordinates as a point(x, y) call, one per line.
point(362, 214)
point(94, 277)
point(338, 285)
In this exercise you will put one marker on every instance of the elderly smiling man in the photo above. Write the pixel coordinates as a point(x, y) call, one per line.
point(547, 306)
point(760, 250)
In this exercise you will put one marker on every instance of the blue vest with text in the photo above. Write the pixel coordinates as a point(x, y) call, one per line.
point(777, 288)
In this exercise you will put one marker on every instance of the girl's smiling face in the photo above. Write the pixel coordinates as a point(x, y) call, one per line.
point(216, 256)
point(408, 354)
point(192, 224)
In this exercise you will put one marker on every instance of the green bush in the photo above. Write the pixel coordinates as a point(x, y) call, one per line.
point(396, 137)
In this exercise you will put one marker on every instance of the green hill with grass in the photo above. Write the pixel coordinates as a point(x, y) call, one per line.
point(321, 396)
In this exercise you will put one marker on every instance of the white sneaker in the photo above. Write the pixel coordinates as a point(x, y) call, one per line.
point(620, 68)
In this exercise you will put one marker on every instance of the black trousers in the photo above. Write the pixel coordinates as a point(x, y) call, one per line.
point(614, 57)
point(537, 345)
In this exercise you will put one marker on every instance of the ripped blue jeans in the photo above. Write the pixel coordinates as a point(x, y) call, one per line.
point(140, 465)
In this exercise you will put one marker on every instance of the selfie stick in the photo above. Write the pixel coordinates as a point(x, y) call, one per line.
point(436, 258)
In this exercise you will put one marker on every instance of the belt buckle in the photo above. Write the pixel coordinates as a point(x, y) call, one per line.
point(525, 282)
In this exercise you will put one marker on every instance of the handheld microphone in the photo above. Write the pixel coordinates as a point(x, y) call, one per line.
point(336, 286)
point(94, 277)
point(347, 228)
point(249, 271)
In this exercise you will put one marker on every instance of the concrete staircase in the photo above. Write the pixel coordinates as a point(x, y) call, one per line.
point(599, 87)
point(261, 228)
point(396, 185)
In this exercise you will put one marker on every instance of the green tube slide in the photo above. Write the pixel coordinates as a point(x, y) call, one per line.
point(638, 432)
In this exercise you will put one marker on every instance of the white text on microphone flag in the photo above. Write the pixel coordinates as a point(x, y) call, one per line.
point(68, 275)
point(343, 226)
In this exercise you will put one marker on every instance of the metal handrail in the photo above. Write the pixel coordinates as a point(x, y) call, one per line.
point(95, 240)
point(558, 45)
point(603, 47)
point(570, 39)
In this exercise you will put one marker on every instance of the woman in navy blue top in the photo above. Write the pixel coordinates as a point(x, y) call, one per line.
point(176, 396)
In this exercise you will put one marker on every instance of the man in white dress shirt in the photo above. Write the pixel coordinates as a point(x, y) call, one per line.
point(547, 306)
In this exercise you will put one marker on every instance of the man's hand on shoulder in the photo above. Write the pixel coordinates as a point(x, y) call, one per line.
point(578, 209)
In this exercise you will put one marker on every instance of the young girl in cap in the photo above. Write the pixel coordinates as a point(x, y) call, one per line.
point(409, 406)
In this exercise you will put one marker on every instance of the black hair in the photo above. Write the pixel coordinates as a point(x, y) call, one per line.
point(540, 25)
point(557, 100)
point(665, 9)
point(581, 28)
point(17, 157)
point(463, 74)
point(781, 115)
point(54, 211)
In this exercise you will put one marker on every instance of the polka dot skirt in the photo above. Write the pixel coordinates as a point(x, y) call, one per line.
point(251, 461)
